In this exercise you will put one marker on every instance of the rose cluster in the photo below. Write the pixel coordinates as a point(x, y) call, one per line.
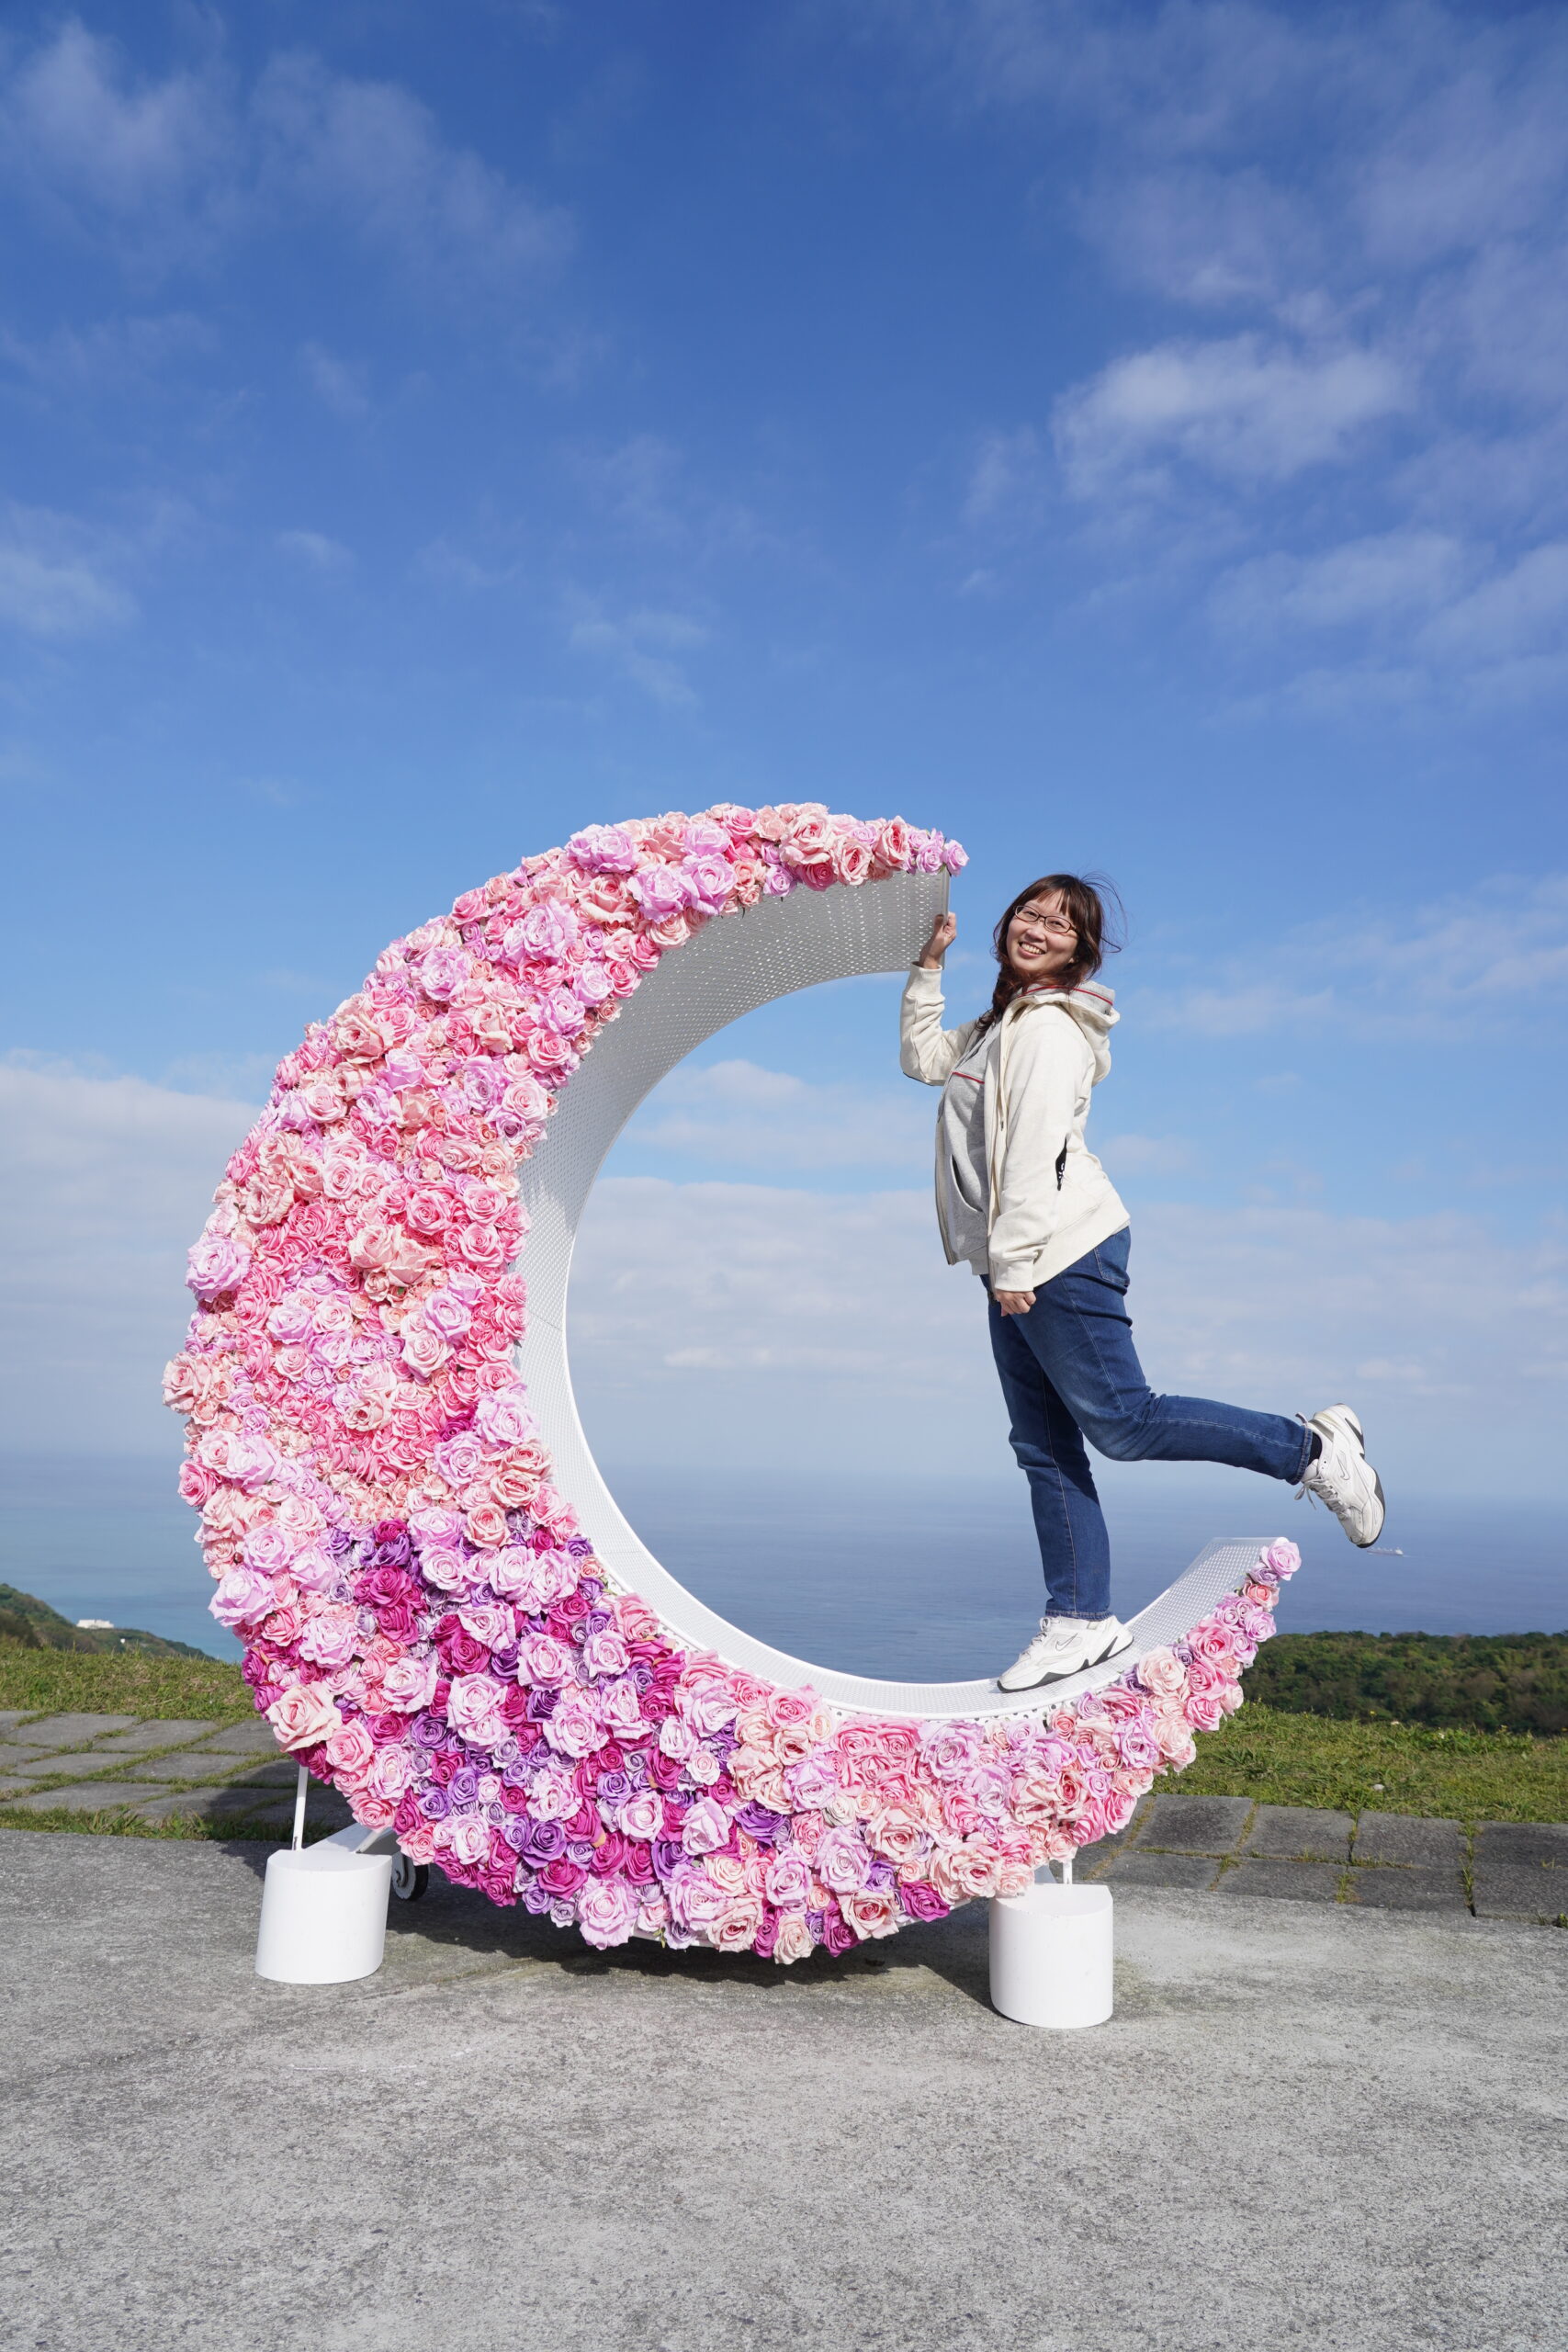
point(424, 1624)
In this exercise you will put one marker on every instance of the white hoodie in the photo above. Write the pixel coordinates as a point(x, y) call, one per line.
point(1020, 1196)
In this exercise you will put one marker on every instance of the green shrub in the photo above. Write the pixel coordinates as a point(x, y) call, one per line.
point(1447, 1682)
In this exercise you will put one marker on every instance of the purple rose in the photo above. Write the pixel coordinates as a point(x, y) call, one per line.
point(758, 1821)
point(661, 890)
point(435, 1805)
point(921, 1902)
point(542, 1842)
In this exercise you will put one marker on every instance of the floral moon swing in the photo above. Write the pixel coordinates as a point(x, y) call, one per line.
point(444, 1613)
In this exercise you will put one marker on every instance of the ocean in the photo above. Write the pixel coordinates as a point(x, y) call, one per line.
point(921, 1580)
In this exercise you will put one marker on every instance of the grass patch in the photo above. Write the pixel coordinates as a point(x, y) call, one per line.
point(119, 1821)
point(122, 1682)
point(1460, 1775)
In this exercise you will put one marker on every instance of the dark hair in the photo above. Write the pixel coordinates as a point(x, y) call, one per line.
point(1086, 911)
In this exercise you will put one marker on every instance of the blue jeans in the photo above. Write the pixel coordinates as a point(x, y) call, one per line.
point(1068, 1370)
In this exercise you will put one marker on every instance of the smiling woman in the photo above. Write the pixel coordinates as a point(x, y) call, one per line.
point(444, 1613)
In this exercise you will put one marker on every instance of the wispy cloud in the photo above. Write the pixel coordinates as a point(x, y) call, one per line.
point(643, 647)
point(315, 549)
point(1247, 408)
point(166, 170)
point(1366, 217)
point(731, 1313)
point(106, 1181)
point(1500, 950)
point(58, 576)
point(737, 1114)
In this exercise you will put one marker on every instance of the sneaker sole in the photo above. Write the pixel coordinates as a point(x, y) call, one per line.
point(1343, 1413)
point(1114, 1648)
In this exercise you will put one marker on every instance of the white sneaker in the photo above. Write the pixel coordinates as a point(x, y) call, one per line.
point(1343, 1477)
point(1065, 1645)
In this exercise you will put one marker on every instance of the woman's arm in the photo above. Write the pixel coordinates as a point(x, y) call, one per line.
point(926, 1050)
point(1045, 1068)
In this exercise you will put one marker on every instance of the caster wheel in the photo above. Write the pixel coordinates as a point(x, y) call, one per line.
point(409, 1879)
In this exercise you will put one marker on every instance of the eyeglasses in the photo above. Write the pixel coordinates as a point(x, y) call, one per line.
point(1052, 925)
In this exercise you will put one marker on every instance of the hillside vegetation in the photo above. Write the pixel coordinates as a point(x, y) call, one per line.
point(33, 1624)
point(1446, 1681)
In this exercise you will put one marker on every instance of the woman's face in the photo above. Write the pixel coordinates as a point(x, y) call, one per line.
point(1042, 942)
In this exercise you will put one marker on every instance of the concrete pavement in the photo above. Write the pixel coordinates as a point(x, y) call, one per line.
point(1308, 2124)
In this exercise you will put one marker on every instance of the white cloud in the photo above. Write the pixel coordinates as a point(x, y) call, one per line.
point(1499, 948)
point(336, 384)
point(1007, 479)
point(641, 646)
point(57, 576)
point(109, 356)
point(737, 1114)
point(89, 139)
point(106, 1182)
point(1523, 611)
point(314, 548)
point(722, 1323)
point(1389, 575)
point(165, 172)
point(1244, 407)
point(372, 157)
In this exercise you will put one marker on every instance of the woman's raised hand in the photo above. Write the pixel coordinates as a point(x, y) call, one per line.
point(945, 931)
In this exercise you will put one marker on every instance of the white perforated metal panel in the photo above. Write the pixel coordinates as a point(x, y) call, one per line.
point(735, 965)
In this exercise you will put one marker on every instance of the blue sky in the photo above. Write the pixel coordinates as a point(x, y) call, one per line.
point(1124, 437)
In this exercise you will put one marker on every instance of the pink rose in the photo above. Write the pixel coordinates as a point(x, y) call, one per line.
point(794, 1940)
point(1161, 1672)
point(606, 1912)
point(502, 1417)
point(660, 891)
point(351, 1750)
point(621, 1707)
point(706, 1827)
point(843, 1861)
point(473, 1708)
point(871, 1912)
point(408, 1685)
point(602, 849)
point(442, 972)
point(606, 1653)
point(737, 1928)
point(575, 1729)
point(243, 1597)
point(710, 878)
point(331, 1635)
point(215, 1264)
point(304, 1716)
point(642, 1815)
point(1279, 1561)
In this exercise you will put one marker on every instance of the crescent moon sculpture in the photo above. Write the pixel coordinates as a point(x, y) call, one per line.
point(445, 1614)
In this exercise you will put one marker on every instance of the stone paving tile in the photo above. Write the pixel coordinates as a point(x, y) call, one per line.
point(87, 1796)
point(67, 1731)
point(1299, 1833)
point(1397, 1838)
point(327, 1808)
point(74, 1765)
point(1515, 1891)
point(155, 1732)
point(14, 1758)
point(13, 1789)
point(1195, 1825)
point(252, 1738)
point(9, 1715)
point(284, 1773)
point(1195, 1871)
point(1408, 1890)
point(187, 1764)
point(1298, 1881)
point(1521, 1841)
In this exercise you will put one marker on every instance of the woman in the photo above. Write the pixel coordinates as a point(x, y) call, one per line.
point(1021, 1199)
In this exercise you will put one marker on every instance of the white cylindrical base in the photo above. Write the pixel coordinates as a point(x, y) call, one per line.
point(323, 1917)
point(1051, 1955)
